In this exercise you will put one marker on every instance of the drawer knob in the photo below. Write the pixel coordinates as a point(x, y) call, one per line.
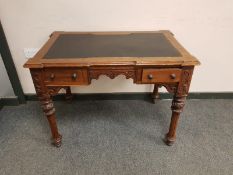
point(150, 76)
point(74, 76)
point(52, 76)
point(173, 76)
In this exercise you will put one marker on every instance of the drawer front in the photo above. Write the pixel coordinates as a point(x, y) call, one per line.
point(66, 76)
point(161, 75)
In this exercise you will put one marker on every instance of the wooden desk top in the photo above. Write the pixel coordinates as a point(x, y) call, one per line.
point(111, 48)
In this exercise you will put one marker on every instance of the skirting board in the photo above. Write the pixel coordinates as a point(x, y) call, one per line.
point(135, 96)
point(9, 101)
point(13, 101)
point(1, 104)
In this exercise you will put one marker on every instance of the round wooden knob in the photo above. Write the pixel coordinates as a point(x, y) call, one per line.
point(173, 76)
point(150, 76)
point(52, 76)
point(74, 76)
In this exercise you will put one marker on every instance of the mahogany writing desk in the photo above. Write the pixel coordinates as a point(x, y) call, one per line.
point(75, 58)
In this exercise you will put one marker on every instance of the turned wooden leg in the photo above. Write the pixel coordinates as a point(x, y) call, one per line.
point(180, 92)
point(49, 111)
point(68, 95)
point(47, 104)
point(155, 94)
point(57, 138)
point(177, 107)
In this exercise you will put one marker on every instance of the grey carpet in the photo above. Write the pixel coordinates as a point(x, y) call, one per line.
point(118, 138)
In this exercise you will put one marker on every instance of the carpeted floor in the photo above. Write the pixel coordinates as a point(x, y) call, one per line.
point(118, 138)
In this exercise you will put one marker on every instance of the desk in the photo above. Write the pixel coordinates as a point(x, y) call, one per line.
point(75, 58)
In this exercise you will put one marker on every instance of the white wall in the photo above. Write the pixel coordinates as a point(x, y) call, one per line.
point(204, 27)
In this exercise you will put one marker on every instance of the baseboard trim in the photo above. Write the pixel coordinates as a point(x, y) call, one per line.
point(99, 96)
point(13, 101)
point(1, 104)
point(210, 95)
point(135, 96)
point(9, 101)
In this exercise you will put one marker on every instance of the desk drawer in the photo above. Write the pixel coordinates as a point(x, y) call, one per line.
point(161, 75)
point(66, 76)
